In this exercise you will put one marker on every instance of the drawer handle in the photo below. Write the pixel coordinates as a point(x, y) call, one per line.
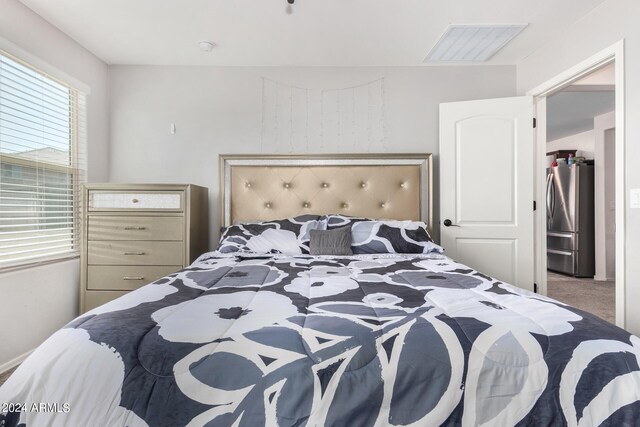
point(135, 253)
point(135, 228)
point(135, 200)
point(564, 236)
point(133, 278)
point(557, 252)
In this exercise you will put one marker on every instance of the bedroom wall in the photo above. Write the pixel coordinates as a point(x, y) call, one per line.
point(37, 301)
point(604, 166)
point(583, 142)
point(219, 110)
point(607, 23)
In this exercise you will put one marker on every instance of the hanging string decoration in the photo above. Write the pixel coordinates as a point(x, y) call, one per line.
point(353, 117)
point(285, 117)
point(296, 119)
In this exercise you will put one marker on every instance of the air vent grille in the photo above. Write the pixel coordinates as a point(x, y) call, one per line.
point(472, 43)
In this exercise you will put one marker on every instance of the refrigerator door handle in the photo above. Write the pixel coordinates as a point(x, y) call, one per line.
point(553, 196)
point(548, 197)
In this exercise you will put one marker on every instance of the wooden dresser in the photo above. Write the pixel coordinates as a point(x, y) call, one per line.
point(134, 234)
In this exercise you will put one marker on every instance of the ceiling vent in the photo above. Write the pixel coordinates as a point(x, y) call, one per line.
point(472, 43)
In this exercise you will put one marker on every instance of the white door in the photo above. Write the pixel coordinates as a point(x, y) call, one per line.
point(487, 186)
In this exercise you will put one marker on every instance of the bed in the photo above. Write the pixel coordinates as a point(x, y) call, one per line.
point(258, 337)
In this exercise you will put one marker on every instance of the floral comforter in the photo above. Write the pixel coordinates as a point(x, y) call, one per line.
point(338, 341)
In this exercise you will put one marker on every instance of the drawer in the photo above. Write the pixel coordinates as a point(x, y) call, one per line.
point(561, 261)
point(136, 227)
point(125, 277)
point(562, 240)
point(100, 200)
point(133, 252)
point(93, 299)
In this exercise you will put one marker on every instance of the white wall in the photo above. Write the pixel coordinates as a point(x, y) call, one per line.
point(37, 301)
point(583, 142)
point(607, 23)
point(218, 110)
point(604, 171)
point(610, 197)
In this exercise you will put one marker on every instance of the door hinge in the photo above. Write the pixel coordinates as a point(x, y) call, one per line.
point(535, 288)
point(535, 123)
point(535, 206)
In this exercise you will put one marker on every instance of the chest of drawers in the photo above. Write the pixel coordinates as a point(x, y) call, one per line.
point(136, 234)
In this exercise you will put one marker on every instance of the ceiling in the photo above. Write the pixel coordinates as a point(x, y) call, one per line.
point(571, 110)
point(315, 33)
point(569, 113)
point(602, 77)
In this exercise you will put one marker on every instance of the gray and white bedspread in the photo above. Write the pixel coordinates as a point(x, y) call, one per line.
point(311, 341)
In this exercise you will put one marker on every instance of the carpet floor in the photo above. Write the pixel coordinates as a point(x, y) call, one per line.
point(596, 297)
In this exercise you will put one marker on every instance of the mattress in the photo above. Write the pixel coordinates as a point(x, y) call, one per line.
point(369, 340)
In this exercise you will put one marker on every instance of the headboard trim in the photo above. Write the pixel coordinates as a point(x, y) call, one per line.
point(382, 164)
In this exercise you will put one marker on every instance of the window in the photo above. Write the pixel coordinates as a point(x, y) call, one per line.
point(42, 163)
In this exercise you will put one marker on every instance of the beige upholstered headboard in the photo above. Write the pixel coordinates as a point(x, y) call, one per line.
point(265, 187)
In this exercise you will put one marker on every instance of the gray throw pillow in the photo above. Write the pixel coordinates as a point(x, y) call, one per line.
point(331, 242)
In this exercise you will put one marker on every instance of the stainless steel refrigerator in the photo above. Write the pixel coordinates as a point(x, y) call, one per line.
point(570, 220)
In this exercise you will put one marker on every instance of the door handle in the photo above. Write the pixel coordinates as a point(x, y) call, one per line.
point(553, 196)
point(448, 223)
point(135, 253)
point(131, 227)
point(549, 196)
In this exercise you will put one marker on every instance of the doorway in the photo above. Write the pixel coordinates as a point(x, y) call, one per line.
point(580, 113)
point(580, 194)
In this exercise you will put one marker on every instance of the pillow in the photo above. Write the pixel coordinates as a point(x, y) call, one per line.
point(286, 236)
point(331, 242)
point(375, 237)
point(337, 221)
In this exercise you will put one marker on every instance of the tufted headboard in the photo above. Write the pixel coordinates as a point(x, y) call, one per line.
point(264, 187)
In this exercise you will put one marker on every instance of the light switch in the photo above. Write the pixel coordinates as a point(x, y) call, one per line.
point(635, 198)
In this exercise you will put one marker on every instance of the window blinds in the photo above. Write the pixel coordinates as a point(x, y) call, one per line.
point(42, 163)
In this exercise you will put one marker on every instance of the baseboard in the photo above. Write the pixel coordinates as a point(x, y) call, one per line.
point(14, 362)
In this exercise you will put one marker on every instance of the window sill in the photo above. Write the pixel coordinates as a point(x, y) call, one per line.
point(38, 263)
